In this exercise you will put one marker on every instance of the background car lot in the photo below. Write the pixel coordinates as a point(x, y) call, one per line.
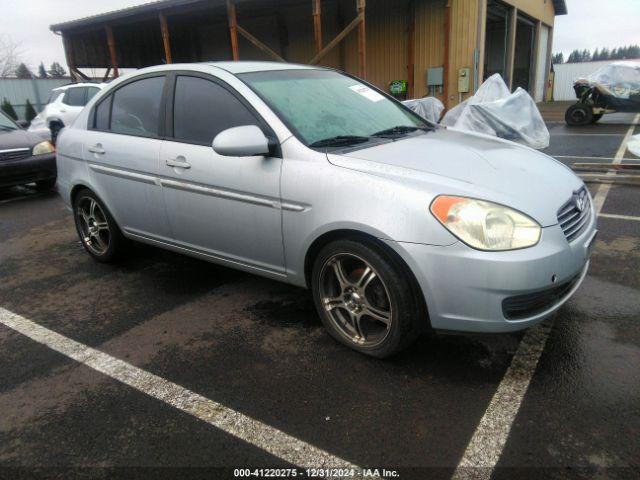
point(257, 347)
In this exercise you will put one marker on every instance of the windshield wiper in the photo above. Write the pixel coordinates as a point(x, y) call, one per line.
point(398, 130)
point(339, 141)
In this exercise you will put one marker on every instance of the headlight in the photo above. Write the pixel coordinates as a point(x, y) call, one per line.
point(43, 148)
point(485, 225)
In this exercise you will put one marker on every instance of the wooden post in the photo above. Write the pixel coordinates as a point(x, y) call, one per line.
point(482, 39)
point(356, 21)
point(411, 37)
point(511, 50)
point(68, 54)
point(164, 28)
point(317, 25)
point(112, 50)
point(447, 60)
point(362, 40)
point(233, 29)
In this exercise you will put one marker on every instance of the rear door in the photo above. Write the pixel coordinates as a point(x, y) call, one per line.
point(225, 207)
point(122, 147)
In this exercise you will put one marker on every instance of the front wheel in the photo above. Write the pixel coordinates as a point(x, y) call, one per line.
point(579, 115)
point(96, 228)
point(365, 298)
point(596, 117)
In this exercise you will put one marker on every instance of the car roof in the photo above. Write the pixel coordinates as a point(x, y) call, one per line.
point(74, 85)
point(247, 67)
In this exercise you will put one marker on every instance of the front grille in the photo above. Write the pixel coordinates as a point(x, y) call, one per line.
point(573, 219)
point(531, 304)
point(15, 154)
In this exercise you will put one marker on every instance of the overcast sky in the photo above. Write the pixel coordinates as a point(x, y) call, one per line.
point(590, 24)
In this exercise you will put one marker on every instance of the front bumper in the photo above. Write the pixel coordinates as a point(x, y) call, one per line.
point(465, 289)
point(27, 170)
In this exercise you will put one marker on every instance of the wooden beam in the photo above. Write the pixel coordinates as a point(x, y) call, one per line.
point(317, 25)
point(258, 43)
point(447, 59)
point(68, 54)
point(106, 75)
point(78, 73)
point(511, 49)
point(164, 29)
point(331, 45)
point(362, 40)
point(411, 38)
point(233, 29)
point(111, 43)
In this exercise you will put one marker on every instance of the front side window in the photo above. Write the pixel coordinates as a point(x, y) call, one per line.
point(75, 97)
point(202, 109)
point(136, 107)
point(103, 110)
point(322, 104)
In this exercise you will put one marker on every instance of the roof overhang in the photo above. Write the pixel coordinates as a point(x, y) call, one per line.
point(560, 7)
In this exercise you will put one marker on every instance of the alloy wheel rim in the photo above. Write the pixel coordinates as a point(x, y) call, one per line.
point(356, 299)
point(94, 227)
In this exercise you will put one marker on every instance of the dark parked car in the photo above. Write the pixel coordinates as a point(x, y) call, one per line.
point(25, 157)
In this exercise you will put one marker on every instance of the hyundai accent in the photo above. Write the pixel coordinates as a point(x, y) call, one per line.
point(313, 177)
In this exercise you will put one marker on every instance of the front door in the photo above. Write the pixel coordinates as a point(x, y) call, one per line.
point(224, 207)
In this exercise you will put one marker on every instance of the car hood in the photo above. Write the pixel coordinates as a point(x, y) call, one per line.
point(449, 161)
point(17, 139)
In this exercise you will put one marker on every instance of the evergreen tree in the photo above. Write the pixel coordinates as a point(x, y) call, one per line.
point(586, 55)
point(23, 71)
point(56, 70)
point(7, 108)
point(42, 72)
point(596, 55)
point(557, 58)
point(634, 51)
point(605, 54)
point(30, 112)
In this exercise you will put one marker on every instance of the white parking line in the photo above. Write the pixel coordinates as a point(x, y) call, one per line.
point(487, 443)
point(586, 134)
point(619, 217)
point(254, 432)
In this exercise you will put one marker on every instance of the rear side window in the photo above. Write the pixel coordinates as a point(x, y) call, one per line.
point(202, 109)
point(103, 110)
point(136, 107)
point(75, 97)
point(91, 92)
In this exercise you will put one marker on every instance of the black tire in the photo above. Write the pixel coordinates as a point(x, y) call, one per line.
point(116, 243)
point(405, 305)
point(579, 115)
point(55, 128)
point(597, 117)
point(45, 185)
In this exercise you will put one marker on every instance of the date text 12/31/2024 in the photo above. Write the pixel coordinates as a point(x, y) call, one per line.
point(314, 473)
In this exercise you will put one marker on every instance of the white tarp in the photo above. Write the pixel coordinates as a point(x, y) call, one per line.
point(620, 79)
point(493, 110)
point(634, 145)
point(429, 108)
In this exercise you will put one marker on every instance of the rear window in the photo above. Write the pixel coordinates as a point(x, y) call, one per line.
point(75, 97)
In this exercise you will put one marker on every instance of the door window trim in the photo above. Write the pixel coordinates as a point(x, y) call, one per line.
point(110, 96)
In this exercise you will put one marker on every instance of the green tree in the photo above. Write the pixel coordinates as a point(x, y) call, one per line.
point(557, 58)
point(42, 72)
point(56, 70)
point(23, 71)
point(30, 112)
point(7, 108)
point(596, 55)
point(586, 55)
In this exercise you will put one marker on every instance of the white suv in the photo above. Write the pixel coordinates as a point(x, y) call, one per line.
point(63, 106)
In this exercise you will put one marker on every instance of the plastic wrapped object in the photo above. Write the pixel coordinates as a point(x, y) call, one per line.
point(493, 110)
point(634, 145)
point(429, 108)
point(619, 79)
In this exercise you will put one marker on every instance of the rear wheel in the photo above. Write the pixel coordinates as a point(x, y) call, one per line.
point(365, 298)
point(579, 115)
point(96, 228)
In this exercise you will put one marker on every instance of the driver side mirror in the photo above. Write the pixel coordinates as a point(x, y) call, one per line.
point(245, 141)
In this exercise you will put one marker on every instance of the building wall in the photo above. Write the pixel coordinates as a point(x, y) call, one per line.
point(429, 42)
point(37, 91)
point(538, 9)
point(567, 73)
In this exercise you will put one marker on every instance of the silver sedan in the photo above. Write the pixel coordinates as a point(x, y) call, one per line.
point(316, 178)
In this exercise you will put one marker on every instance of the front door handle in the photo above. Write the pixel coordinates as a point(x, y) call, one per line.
point(97, 148)
point(178, 162)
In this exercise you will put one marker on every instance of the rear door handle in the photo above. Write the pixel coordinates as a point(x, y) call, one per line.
point(97, 148)
point(178, 162)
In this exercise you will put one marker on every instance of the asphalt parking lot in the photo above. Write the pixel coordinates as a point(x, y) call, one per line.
point(204, 369)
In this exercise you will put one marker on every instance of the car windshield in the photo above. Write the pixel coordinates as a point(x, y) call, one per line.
point(6, 123)
point(326, 108)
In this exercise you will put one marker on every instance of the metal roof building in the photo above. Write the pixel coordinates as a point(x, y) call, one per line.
point(439, 47)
